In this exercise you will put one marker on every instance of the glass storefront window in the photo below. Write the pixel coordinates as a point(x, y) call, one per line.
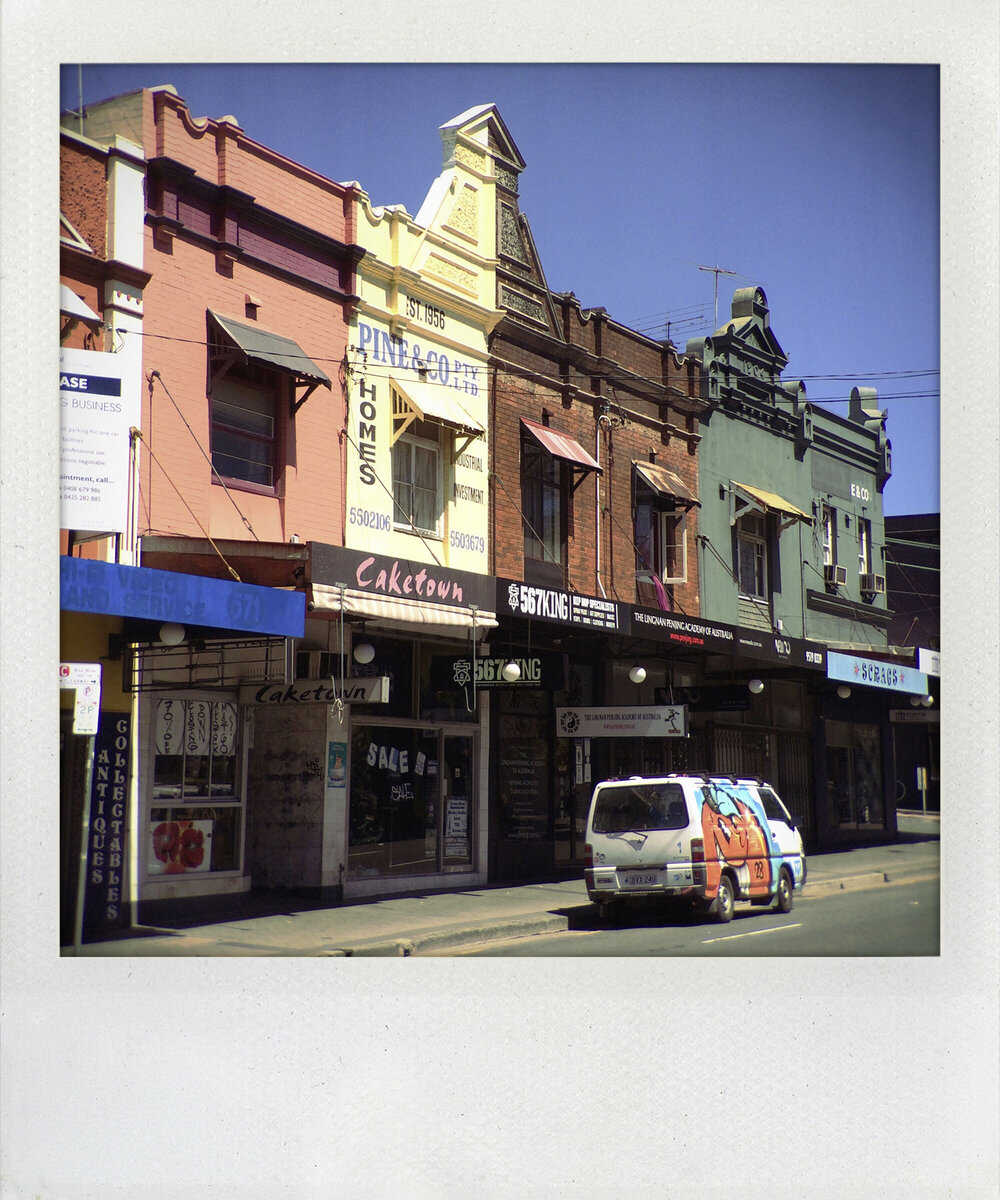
point(195, 759)
point(413, 801)
point(854, 773)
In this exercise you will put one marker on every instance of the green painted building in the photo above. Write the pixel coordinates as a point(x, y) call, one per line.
point(791, 546)
point(791, 534)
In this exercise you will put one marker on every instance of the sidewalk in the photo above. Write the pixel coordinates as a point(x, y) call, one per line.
point(410, 925)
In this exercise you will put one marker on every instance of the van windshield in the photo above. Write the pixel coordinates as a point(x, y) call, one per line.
point(631, 806)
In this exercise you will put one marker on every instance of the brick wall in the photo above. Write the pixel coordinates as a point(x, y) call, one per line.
point(296, 283)
point(645, 419)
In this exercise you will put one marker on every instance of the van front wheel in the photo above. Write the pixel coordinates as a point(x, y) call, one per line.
point(725, 905)
point(783, 897)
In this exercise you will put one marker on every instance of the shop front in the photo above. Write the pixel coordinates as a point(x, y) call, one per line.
point(404, 787)
point(176, 647)
point(562, 647)
point(856, 761)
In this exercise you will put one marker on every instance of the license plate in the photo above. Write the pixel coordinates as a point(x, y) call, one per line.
point(640, 879)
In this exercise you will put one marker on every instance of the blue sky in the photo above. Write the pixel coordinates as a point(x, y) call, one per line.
point(818, 182)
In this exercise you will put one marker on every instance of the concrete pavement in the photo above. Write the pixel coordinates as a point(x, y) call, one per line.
point(410, 925)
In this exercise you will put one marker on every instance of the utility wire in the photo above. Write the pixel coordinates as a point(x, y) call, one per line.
point(156, 375)
point(137, 433)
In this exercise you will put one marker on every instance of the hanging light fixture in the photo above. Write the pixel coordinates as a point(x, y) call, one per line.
point(927, 701)
point(171, 634)
point(637, 673)
point(511, 671)
point(756, 686)
point(844, 692)
point(915, 701)
point(364, 652)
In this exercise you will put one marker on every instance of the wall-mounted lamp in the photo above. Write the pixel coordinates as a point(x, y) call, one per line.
point(844, 692)
point(756, 686)
point(637, 673)
point(364, 652)
point(915, 701)
point(171, 634)
point(926, 701)
point(511, 671)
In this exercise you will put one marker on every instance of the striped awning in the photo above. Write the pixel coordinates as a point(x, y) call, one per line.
point(561, 445)
point(433, 402)
point(401, 610)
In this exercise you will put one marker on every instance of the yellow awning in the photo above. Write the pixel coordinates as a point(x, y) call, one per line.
point(771, 501)
point(435, 402)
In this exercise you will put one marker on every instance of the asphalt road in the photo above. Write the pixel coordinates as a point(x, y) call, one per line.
point(891, 920)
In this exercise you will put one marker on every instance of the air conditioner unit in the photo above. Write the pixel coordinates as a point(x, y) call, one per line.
point(873, 584)
point(834, 574)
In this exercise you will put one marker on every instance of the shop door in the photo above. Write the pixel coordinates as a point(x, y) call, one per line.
point(457, 807)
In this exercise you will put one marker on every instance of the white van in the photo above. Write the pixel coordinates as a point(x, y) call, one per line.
point(709, 839)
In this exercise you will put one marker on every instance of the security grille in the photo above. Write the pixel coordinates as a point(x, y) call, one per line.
point(154, 667)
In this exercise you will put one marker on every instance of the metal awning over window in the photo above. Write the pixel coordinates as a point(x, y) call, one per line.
point(418, 399)
point(667, 483)
point(247, 344)
point(756, 498)
point(562, 446)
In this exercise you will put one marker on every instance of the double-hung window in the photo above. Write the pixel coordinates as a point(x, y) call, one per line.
point(864, 546)
point(751, 555)
point(829, 518)
point(416, 478)
point(245, 428)
point(544, 493)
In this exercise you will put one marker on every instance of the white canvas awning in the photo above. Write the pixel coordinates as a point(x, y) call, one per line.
point(327, 597)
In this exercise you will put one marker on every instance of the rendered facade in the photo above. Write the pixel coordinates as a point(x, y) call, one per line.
point(406, 550)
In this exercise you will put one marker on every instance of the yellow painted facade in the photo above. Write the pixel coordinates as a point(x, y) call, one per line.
point(417, 364)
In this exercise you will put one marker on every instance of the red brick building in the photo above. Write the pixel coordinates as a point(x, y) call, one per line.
point(594, 472)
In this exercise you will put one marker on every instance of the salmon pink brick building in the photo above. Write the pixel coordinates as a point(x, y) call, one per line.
point(232, 312)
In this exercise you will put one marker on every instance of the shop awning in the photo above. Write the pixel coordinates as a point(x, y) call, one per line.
point(666, 482)
point(561, 445)
point(433, 402)
point(769, 501)
point(270, 350)
point(352, 602)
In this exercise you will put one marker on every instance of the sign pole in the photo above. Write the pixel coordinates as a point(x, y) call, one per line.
point(84, 679)
point(81, 886)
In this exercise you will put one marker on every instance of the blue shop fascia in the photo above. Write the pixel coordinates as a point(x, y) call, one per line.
point(173, 648)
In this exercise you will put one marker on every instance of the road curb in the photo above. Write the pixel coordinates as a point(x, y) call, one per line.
point(870, 879)
point(449, 938)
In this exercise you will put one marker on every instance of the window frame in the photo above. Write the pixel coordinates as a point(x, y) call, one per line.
point(267, 384)
point(176, 806)
point(666, 517)
point(413, 439)
point(864, 546)
point(534, 489)
point(828, 525)
point(745, 537)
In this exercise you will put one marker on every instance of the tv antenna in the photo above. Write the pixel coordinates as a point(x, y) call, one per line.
point(717, 271)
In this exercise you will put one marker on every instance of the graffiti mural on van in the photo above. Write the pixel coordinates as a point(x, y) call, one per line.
point(735, 835)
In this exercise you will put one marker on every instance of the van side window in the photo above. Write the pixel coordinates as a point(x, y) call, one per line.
point(774, 810)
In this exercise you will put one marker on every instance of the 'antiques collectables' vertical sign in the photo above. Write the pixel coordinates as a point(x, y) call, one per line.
point(104, 900)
